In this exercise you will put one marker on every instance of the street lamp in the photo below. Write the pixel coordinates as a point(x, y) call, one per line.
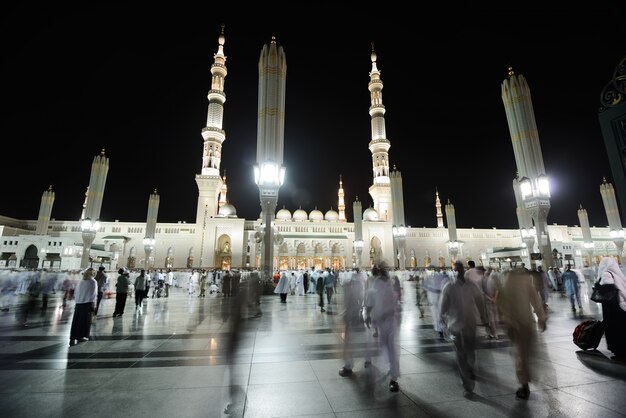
point(453, 249)
point(148, 246)
point(88, 229)
point(535, 195)
point(269, 177)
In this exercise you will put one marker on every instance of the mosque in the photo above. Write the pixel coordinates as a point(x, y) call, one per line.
point(314, 240)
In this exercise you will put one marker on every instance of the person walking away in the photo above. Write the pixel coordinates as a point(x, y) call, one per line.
point(49, 284)
point(354, 294)
point(421, 295)
point(381, 310)
point(330, 281)
point(462, 305)
point(202, 284)
point(140, 292)
point(614, 314)
point(491, 285)
point(85, 295)
point(169, 282)
point(282, 288)
point(121, 292)
point(101, 280)
point(320, 290)
point(572, 288)
point(517, 302)
point(434, 284)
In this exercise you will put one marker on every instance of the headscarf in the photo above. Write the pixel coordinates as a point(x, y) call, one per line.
point(609, 272)
point(89, 273)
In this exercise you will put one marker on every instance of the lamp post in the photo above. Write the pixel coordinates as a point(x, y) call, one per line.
point(148, 246)
point(269, 177)
point(453, 250)
point(536, 198)
point(88, 230)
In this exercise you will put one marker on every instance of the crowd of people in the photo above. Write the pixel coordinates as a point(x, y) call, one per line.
point(512, 303)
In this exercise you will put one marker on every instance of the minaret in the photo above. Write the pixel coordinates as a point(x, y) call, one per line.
point(379, 146)
point(223, 191)
point(269, 172)
point(533, 182)
point(438, 209)
point(149, 241)
point(398, 227)
point(45, 209)
point(342, 204)
point(358, 231)
point(587, 240)
point(95, 192)
point(612, 214)
point(82, 213)
point(209, 181)
point(453, 244)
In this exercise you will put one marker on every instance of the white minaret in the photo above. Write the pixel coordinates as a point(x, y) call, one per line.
point(438, 209)
point(209, 180)
point(342, 203)
point(379, 146)
point(398, 227)
point(533, 182)
point(45, 210)
point(358, 231)
point(149, 241)
point(612, 214)
point(453, 244)
point(223, 191)
point(584, 226)
point(95, 192)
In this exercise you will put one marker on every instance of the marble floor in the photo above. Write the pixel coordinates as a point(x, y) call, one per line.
point(172, 359)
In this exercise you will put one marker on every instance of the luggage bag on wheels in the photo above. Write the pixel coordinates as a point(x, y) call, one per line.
point(587, 334)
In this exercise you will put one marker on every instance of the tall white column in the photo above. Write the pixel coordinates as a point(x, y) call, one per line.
point(587, 240)
point(612, 214)
point(453, 243)
point(45, 210)
point(149, 241)
point(95, 192)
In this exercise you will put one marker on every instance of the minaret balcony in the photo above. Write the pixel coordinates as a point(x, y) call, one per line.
point(212, 132)
point(374, 82)
point(218, 67)
point(216, 96)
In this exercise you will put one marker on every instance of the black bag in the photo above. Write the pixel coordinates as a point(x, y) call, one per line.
point(587, 334)
point(604, 293)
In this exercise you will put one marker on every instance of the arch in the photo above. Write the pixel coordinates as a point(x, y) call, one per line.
point(224, 252)
point(376, 251)
point(31, 258)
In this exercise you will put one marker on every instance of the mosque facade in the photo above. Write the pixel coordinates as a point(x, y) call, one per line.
point(219, 239)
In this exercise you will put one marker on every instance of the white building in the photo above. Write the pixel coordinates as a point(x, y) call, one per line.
point(219, 239)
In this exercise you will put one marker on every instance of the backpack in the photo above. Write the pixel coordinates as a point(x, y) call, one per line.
point(587, 334)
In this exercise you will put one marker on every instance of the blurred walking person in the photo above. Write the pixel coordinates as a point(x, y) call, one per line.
point(517, 302)
point(140, 292)
point(433, 285)
point(381, 304)
point(101, 280)
point(461, 302)
point(614, 314)
point(572, 288)
point(282, 288)
point(354, 294)
point(121, 292)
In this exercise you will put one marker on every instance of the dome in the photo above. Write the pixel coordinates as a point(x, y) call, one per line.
point(300, 215)
point(316, 215)
point(228, 211)
point(331, 215)
point(370, 214)
point(283, 215)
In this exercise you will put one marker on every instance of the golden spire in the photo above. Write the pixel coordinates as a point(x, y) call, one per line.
point(223, 25)
point(273, 39)
point(50, 188)
point(357, 198)
point(510, 71)
point(373, 47)
point(603, 180)
point(155, 190)
point(102, 152)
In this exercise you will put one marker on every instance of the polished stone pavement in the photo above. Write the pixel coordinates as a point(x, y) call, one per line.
point(171, 360)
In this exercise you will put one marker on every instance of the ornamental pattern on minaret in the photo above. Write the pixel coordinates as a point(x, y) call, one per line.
point(379, 145)
point(213, 134)
point(223, 191)
point(342, 203)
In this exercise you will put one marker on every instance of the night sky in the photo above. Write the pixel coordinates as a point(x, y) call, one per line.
point(134, 81)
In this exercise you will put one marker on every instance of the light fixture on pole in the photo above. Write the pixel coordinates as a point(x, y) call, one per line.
point(536, 199)
point(358, 247)
point(88, 231)
point(148, 246)
point(399, 233)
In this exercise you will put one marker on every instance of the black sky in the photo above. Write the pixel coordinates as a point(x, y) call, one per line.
point(134, 81)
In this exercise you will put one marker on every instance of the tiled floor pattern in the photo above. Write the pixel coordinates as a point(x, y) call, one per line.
point(171, 360)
